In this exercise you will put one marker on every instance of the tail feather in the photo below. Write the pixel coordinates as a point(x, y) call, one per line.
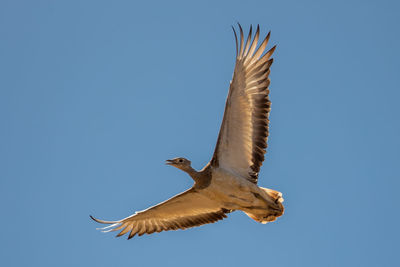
point(274, 210)
point(276, 195)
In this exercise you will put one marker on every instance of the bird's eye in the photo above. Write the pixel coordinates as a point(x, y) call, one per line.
point(180, 160)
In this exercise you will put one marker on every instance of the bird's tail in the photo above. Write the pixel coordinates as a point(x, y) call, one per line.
point(273, 210)
point(276, 195)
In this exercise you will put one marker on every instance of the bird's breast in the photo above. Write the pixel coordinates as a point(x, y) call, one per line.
point(229, 189)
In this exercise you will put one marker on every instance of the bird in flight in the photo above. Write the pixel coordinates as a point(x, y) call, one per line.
point(229, 181)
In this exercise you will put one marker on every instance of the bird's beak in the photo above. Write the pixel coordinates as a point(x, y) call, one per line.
point(169, 162)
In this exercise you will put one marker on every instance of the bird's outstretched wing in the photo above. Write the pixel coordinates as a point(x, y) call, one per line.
point(243, 135)
point(185, 210)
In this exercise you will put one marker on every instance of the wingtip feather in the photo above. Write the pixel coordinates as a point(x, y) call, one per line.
point(236, 40)
point(101, 221)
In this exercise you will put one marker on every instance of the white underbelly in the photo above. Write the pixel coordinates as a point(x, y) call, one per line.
point(231, 191)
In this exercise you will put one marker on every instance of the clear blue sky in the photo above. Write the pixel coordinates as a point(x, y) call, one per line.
point(95, 95)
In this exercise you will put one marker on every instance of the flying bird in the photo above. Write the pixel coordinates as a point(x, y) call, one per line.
point(229, 181)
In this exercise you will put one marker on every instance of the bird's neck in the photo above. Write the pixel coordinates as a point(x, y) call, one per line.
point(193, 173)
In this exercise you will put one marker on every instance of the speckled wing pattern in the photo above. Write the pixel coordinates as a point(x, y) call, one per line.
point(185, 210)
point(242, 139)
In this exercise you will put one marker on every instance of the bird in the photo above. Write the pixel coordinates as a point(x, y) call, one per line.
point(228, 182)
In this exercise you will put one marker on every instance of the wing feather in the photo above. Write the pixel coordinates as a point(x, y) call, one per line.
point(242, 140)
point(185, 210)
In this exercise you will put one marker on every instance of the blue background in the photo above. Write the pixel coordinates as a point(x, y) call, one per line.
point(95, 95)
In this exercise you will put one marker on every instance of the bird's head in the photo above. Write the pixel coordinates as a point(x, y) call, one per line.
point(180, 163)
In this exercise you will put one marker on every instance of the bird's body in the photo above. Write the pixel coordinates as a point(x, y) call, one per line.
point(232, 192)
point(229, 181)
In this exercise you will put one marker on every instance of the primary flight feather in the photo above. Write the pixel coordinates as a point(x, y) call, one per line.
point(229, 181)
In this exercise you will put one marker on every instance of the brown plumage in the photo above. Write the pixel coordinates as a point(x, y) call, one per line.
point(247, 101)
point(229, 181)
point(185, 210)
